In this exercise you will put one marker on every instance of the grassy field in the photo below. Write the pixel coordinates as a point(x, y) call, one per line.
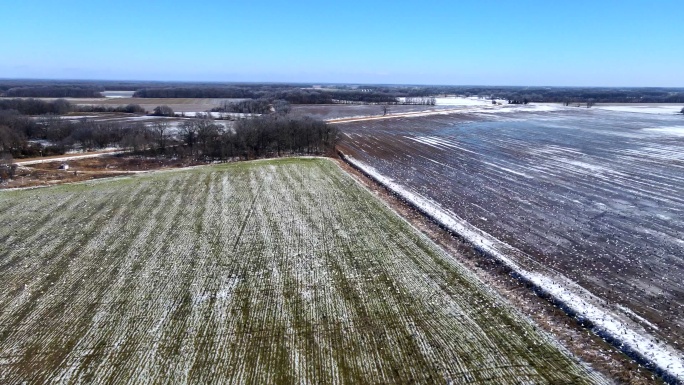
point(282, 271)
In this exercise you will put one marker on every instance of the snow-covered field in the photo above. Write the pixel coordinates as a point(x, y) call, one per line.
point(465, 101)
point(217, 115)
point(118, 94)
point(585, 203)
point(262, 272)
point(615, 325)
point(658, 109)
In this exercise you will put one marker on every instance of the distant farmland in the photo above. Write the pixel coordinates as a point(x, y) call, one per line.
point(263, 272)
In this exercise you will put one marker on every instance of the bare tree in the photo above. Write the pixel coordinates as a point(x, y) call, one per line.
point(161, 133)
point(208, 134)
point(188, 132)
point(10, 139)
point(137, 137)
point(281, 106)
point(163, 111)
point(7, 167)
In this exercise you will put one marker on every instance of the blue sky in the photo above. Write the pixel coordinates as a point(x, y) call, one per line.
point(518, 42)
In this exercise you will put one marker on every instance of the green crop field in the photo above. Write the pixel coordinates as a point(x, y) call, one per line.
point(284, 271)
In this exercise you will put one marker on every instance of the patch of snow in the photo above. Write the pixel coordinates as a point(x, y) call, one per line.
point(461, 101)
point(638, 317)
point(76, 117)
point(669, 131)
point(655, 109)
point(118, 94)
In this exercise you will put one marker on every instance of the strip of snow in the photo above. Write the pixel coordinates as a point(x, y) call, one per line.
point(656, 109)
point(475, 109)
point(631, 337)
point(669, 131)
point(638, 317)
point(118, 94)
point(461, 101)
point(76, 117)
point(215, 115)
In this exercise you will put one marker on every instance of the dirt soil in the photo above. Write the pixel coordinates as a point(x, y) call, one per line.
point(49, 173)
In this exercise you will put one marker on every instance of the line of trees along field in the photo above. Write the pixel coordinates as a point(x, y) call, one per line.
point(54, 92)
point(32, 106)
point(291, 95)
point(308, 94)
point(559, 94)
point(391, 95)
point(202, 138)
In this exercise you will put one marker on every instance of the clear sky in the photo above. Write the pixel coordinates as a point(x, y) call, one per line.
point(473, 42)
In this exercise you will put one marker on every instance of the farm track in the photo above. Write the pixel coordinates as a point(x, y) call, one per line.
point(47, 159)
point(262, 272)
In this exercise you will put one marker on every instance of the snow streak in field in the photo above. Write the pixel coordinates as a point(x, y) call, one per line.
point(265, 272)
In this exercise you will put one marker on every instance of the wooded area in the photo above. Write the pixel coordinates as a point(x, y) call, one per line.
point(201, 138)
point(264, 136)
point(54, 92)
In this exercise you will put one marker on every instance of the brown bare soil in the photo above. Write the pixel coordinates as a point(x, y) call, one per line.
point(48, 173)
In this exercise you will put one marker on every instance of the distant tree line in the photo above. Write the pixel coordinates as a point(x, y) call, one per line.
point(307, 94)
point(36, 106)
point(128, 109)
point(32, 106)
point(196, 92)
point(54, 92)
point(390, 94)
point(568, 95)
point(299, 96)
point(293, 95)
point(327, 94)
point(251, 106)
point(255, 106)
